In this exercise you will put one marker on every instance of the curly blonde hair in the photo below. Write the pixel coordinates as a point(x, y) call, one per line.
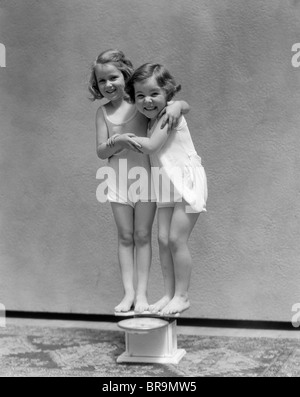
point(116, 58)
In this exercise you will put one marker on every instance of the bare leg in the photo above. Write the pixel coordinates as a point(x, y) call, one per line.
point(143, 220)
point(123, 215)
point(164, 217)
point(181, 227)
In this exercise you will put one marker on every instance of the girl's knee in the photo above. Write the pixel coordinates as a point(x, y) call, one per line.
point(126, 238)
point(163, 241)
point(142, 237)
point(176, 242)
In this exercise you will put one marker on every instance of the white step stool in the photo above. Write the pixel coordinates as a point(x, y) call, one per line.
point(150, 340)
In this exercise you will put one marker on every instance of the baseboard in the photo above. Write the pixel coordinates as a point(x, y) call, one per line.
point(182, 321)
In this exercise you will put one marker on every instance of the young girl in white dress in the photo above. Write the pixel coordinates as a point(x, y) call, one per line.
point(133, 214)
point(182, 195)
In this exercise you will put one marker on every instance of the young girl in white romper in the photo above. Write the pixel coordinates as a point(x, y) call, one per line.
point(133, 214)
point(151, 87)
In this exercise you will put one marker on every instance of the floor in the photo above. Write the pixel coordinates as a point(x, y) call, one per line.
point(38, 347)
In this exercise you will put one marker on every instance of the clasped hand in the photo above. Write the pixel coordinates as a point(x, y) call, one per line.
point(126, 141)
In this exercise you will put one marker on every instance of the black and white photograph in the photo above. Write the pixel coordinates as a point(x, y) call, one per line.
point(150, 191)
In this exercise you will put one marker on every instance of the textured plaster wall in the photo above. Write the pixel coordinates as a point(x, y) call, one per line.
point(233, 59)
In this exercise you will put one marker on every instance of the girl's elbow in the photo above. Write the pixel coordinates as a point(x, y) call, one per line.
point(154, 149)
point(186, 109)
point(148, 150)
point(101, 154)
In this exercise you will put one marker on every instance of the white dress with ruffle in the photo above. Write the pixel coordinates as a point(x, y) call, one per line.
point(177, 171)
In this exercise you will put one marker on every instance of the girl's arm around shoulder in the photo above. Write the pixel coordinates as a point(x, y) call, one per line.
point(173, 112)
point(156, 141)
point(104, 151)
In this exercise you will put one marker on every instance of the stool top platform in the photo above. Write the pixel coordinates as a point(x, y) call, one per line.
point(132, 313)
point(142, 324)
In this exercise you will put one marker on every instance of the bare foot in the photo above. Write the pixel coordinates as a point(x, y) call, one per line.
point(159, 305)
point(177, 305)
point(126, 304)
point(141, 304)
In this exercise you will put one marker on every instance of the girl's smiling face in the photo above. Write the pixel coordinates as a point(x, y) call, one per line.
point(111, 82)
point(150, 98)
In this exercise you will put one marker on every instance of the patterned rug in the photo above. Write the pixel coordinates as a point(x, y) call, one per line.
point(64, 352)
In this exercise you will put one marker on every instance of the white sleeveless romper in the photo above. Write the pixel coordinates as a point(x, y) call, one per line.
point(132, 169)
